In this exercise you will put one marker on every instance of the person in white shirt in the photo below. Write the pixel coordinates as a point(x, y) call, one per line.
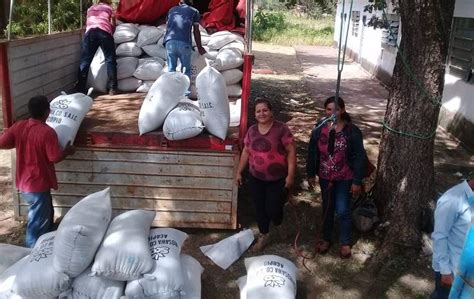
point(452, 221)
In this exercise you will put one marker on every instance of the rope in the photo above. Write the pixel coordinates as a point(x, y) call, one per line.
point(318, 235)
point(341, 59)
point(408, 134)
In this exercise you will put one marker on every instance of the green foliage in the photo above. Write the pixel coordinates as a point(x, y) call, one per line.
point(284, 28)
point(314, 8)
point(378, 5)
point(265, 21)
point(30, 17)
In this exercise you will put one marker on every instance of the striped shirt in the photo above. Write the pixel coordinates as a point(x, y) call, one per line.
point(99, 16)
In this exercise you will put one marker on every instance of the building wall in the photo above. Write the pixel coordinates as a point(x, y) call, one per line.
point(366, 47)
point(457, 112)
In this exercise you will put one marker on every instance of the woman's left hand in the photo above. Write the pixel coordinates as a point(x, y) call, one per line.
point(289, 182)
point(356, 190)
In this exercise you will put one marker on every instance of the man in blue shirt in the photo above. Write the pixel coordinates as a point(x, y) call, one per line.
point(452, 221)
point(178, 40)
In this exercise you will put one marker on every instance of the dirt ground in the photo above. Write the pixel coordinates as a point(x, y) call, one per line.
point(297, 80)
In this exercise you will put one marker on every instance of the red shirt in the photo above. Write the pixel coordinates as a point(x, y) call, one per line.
point(37, 149)
point(267, 153)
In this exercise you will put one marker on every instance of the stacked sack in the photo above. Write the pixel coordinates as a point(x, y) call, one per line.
point(90, 256)
point(140, 58)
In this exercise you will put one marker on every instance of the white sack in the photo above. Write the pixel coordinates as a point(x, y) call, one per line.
point(213, 101)
point(198, 62)
point(235, 109)
point(232, 76)
point(80, 232)
point(124, 253)
point(10, 254)
point(37, 277)
point(270, 277)
point(126, 67)
point(156, 50)
point(192, 277)
point(97, 77)
point(7, 279)
point(242, 283)
point(167, 278)
point(225, 252)
point(87, 286)
point(129, 84)
point(148, 70)
point(125, 32)
point(145, 86)
point(205, 38)
point(128, 49)
point(183, 122)
point(66, 115)
point(238, 45)
point(222, 38)
point(228, 59)
point(234, 90)
point(148, 35)
point(163, 96)
point(211, 54)
point(154, 59)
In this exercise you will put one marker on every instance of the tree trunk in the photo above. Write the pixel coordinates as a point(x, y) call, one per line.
point(405, 177)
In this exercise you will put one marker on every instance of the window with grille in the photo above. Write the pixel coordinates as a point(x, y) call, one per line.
point(355, 23)
point(390, 34)
point(461, 51)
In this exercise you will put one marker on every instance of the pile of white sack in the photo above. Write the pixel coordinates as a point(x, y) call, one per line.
point(92, 255)
point(141, 60)
point(182, 118)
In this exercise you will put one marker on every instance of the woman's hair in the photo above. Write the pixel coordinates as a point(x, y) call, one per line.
point(345, 116)
point(340, 103)
point(263, 101)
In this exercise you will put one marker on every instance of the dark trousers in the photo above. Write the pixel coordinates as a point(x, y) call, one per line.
point(269, 199)
point(440, 292)
point(336, 198)
point(94, 39)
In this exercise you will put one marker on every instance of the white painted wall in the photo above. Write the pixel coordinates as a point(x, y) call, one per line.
point(367, 44)
point(464, 9)
point(458, 94)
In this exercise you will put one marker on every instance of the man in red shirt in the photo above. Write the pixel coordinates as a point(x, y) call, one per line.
point(37, 149)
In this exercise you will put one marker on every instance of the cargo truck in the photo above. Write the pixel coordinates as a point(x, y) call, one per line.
point(189, 183)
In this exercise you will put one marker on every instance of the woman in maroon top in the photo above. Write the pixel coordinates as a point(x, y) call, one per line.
point(270, 151)
point(337, 156)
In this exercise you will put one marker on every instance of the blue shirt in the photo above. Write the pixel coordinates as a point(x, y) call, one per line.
point(452, 221)
point(180, 22)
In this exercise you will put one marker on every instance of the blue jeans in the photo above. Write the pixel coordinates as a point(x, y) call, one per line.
point(94, 39)
point(177, 49)
point(337, 199)
point(40, 215)
point(440, 291)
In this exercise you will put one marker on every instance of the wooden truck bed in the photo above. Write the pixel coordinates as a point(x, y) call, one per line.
point(190, 185)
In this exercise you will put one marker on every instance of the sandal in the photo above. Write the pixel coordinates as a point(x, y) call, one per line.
point(345, 252)
point(323, 247)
